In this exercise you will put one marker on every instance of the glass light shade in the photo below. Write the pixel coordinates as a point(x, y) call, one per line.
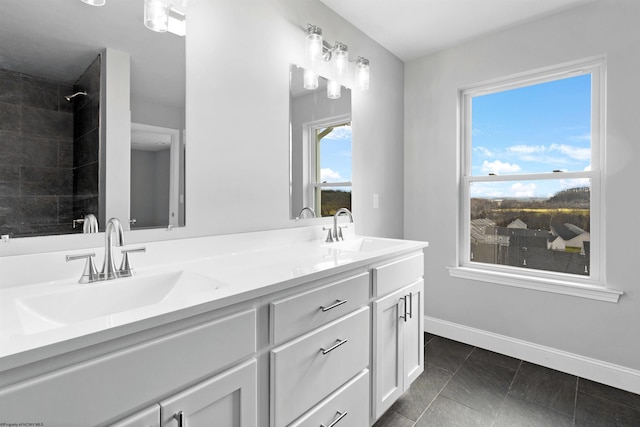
point(333, 89)
point(156, 15)
point(95, 2)
point(313, 44)
point(341, 58)
point(362, 73)
point(310, 79)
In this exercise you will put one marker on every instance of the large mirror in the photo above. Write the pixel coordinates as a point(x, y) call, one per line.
point(320, 146)
point(52, 118)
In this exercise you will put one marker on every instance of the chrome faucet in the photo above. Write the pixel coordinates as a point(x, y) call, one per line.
point(109, 267)
point(306, 208)
point(337, 231)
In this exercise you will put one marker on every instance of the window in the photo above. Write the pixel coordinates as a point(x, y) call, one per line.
point(331, 176)
point(531, 177)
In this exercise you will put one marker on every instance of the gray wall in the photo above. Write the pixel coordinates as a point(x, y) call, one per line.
point(150, 188)
point(592, 329)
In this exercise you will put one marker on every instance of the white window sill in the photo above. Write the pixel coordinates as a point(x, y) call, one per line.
point(556, 286)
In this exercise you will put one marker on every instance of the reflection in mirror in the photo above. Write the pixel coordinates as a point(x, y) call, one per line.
point(156, 169)
point(320, 148)
point(52, 142)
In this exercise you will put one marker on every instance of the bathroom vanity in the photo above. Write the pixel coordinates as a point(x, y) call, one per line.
point(291, 332)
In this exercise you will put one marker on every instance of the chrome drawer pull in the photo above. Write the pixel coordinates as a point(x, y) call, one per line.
point(179, 417)
point(336, 304)
point(341, 415)
point(410, 305)
point(333, 347)
point(404, 298)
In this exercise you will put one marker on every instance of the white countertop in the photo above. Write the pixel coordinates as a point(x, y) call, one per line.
point(48, 318)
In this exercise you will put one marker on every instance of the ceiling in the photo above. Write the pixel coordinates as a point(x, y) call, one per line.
point(413, 28)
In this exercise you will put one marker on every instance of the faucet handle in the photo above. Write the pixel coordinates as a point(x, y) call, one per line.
point(125, 267)
point(329, 238)
point(90, 273)
point(340, 236)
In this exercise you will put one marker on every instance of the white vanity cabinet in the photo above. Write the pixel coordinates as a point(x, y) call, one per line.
point(398, 330)
point(228, 399)
point(149, 417)
point(99, 390)
point(312, 375)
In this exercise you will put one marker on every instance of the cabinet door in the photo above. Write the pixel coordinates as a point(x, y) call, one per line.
point(413, 333)
point(149, 417)
point(228, 399)
point(387, 351)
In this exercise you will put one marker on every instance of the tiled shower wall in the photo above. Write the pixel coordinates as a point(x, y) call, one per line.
point(36, 156)
point(38, 171)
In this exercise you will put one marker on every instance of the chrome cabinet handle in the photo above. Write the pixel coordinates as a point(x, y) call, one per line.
point(410, 305)
point(336, 304)
point(404, 298)
point(340, 415)
point(179, 417)
point(338, 343)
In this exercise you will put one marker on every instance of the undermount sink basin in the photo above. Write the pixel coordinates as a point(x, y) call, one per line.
point(363, 245)
point(89, 301)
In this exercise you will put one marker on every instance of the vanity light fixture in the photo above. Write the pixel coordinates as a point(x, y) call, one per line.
point(317, 50)
point(94, 2)
point(310, 80)
point(362, 73)
point(333, 89)
point(161, 16)
point(341, 59)
point(313, 45)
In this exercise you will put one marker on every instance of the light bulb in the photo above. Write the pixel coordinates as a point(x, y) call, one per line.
point(156, 16)
point(313, 44)
point(333, 89)
point(95, 2)
point(362, 73)
point(341, 58)
point(310, 79)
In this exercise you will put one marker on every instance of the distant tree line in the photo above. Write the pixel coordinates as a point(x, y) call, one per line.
point(332, 200)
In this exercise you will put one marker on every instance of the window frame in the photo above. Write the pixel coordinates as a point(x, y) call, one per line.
point(315, 186)
point(592, 286)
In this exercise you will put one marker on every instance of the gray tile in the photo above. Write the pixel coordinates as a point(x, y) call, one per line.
point(428, 337)
point(446, 354)
point(609, 393)
point(393, 419)
point(447, 413)
point(495, 358)
point(10, 117)
point(423, 390)
point(592, 411)
point(545, 387)
point(480, 385)
point(54, 124)
point(517, 412)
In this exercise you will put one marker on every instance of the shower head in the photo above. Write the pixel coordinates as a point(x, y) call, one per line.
point(70, 97)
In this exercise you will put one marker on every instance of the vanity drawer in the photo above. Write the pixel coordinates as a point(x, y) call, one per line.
point(397, 274)
point(297, 314)
point(307, 369)
point(98, 390)
point(348, 406)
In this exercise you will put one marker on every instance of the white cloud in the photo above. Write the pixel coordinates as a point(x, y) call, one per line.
point(329, 175)
point(526, 149)
point(482, 151)
point(497, 167)
point(523, 190)
point(573, 152)
point(586, 137)
point(341, 133)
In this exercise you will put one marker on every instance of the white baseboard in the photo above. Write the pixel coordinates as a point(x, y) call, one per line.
point(574, 364)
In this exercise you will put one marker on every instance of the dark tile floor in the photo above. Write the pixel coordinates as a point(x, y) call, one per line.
point(467, 386)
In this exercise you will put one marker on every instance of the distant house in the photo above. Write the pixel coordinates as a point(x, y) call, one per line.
point(479, 229)
point(517, 223)
point(568, 237)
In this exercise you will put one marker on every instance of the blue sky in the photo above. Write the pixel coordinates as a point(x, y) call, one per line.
point(335, 155)
point(533, 129)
